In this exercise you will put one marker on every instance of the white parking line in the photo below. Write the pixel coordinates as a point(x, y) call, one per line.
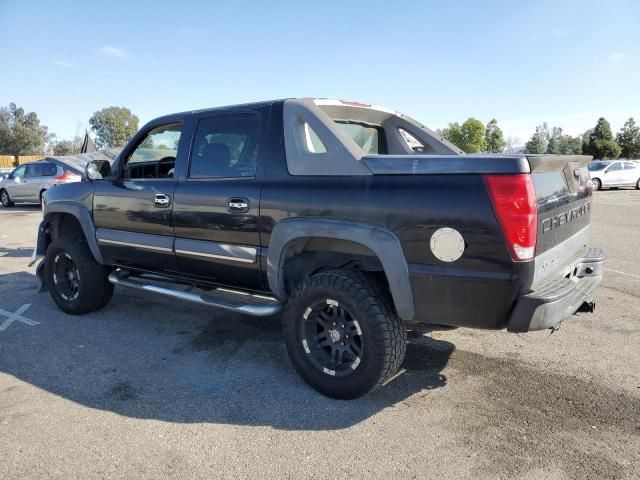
point(16, 317)
point(623, 273)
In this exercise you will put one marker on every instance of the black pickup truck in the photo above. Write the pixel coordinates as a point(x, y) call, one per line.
point(354, 220)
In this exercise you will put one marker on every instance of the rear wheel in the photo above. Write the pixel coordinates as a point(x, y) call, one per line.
point(77, 283)
point(638, 184)
point(342, 333)
point(597, 184)
point(5, 199)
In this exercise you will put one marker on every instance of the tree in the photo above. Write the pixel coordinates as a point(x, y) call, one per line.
point(629, 139)
point(513, 146)
point(470, 136)
point(67, 147)
point(601, 143)
point(560, 144)
point(586, 139)
point(113, 126)
point(20, 132)
point(539, 140)
point(494, 138)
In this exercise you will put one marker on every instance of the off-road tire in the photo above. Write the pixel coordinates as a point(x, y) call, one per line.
point(383, 338)
point(597, 184)
point(93, 287)
point(5, 199)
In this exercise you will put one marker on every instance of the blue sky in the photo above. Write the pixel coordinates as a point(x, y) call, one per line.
point(566, 62)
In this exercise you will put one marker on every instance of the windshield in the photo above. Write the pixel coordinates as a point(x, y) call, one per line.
point(593, 166)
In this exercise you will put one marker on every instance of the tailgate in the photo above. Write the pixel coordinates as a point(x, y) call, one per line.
point(564, 194)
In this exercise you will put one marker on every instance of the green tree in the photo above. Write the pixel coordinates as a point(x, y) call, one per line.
point(20, 132)
point(470, 136)
point(494, 138)
point(601, 142)
point(113, 126)
point(67, 147)
point(629, 139)
point(561, 144)
point(539, 141)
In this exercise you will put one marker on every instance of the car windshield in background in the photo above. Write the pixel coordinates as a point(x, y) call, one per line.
point(593, 166)
point(365, 136)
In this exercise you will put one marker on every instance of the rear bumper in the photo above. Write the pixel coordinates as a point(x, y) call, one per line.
point(554, 300)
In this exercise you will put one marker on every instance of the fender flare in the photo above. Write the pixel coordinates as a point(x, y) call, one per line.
point(380, 241)
point(82, 214)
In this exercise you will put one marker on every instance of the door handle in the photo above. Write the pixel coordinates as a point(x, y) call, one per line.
point(238, 205)
point(161, 200)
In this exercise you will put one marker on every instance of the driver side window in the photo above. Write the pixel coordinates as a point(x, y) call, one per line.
point(19, 172)
point(155, 156)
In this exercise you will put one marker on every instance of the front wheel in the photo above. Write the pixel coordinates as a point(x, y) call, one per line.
point(5, 199)
point(342, 333)
point(638, 184)
point(77, 283)
point(597, 184)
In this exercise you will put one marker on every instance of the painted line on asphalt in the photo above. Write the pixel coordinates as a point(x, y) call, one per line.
point(623, 273)
point(16, 316)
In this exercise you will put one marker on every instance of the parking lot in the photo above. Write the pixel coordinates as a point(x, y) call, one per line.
point(155, 388)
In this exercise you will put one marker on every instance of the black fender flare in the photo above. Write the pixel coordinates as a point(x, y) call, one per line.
point(382, 242)
point(82, 214)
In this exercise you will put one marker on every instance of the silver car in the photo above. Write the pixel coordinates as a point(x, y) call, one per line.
point(29, 180)
point(621, 173)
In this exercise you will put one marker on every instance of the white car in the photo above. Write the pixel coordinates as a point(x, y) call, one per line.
point(621, 173)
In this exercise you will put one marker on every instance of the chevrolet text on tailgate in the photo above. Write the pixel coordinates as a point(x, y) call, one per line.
point(353, 220)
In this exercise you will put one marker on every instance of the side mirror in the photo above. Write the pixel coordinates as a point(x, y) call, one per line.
point(97, 170)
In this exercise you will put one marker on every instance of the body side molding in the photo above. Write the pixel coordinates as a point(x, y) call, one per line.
point(380, 241)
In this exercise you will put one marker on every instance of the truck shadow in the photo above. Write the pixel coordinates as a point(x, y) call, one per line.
point(149, 357)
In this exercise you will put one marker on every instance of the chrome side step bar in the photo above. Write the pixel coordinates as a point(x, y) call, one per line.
point(239, 302)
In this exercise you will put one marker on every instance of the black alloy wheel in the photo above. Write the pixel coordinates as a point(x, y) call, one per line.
point(332, 338)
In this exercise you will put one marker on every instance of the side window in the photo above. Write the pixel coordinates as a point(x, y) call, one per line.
point(48, 169)
point(226, 146)
point(312, 140)
point(615, 167)
point(34, 170)
point(630, 166)
point(412, 142)
point(155, 156)
point(19, 172)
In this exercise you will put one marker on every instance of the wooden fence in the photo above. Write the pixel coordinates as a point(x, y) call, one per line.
point(7, 161)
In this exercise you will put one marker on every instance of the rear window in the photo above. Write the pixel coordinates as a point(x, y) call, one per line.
point(367, 137)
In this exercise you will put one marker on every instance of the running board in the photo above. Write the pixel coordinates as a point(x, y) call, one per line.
point(233, 301)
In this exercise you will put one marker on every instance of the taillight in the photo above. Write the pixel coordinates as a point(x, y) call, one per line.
point(514, 202)
point(66, 176)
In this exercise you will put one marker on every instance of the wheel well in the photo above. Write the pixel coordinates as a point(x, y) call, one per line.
point(306, 256)
point(64, 225)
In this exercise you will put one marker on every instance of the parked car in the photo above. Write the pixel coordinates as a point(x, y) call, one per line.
point(29, 181)
point(621, 173)
point(355, 220)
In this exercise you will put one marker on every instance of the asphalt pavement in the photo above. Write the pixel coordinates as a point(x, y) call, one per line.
point(154, 388)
